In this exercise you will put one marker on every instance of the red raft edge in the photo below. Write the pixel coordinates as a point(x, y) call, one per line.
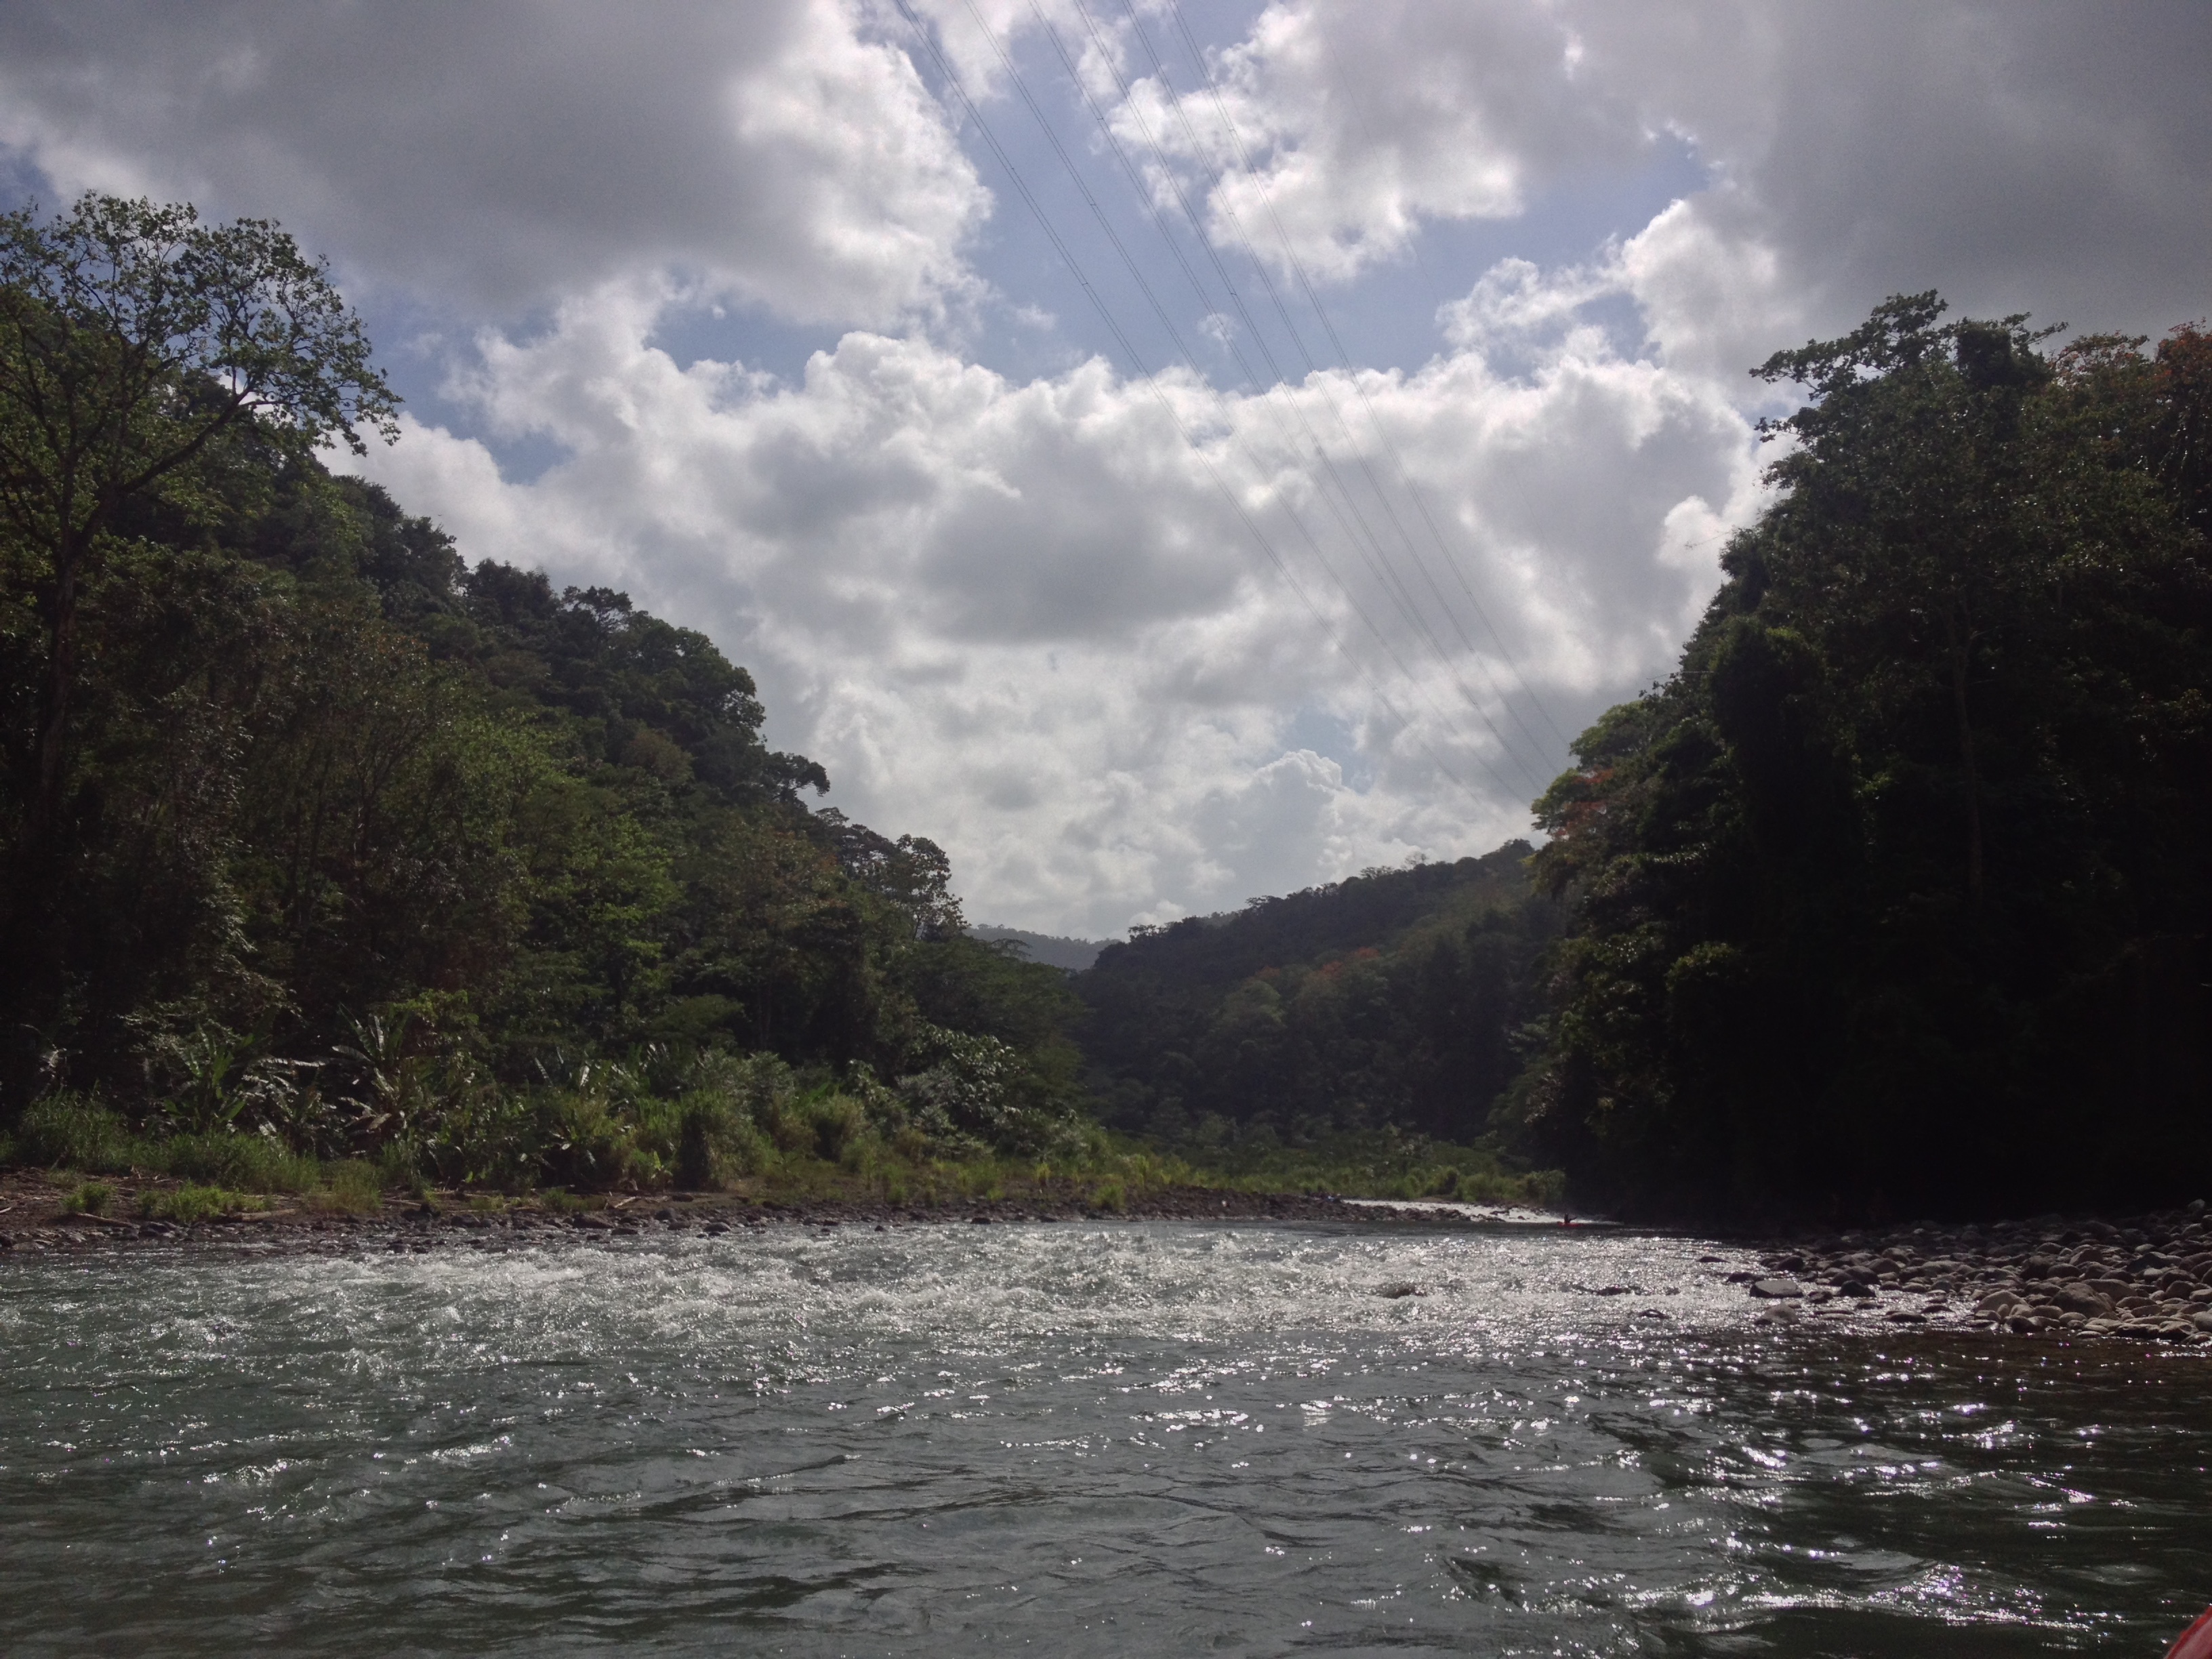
point(2196, 1642)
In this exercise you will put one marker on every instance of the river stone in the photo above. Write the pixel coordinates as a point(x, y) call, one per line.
point(2078, 1298)
point(1777, 1288)
point(2202, 1321)
point(1402, 1287)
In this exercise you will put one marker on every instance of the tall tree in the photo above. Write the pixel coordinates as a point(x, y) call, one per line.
point(1896, 893)
point(133, 340)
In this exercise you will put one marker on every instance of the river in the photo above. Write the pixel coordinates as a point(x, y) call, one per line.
point(1071, 1439)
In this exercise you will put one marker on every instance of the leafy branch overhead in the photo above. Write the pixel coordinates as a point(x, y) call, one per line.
point(132, 337)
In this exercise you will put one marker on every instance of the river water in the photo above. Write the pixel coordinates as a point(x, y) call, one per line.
point(1069, 1439)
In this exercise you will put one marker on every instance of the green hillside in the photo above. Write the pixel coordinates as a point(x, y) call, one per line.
point(1394, 1000)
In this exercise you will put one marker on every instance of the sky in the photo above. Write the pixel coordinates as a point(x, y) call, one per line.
point(1166, 452)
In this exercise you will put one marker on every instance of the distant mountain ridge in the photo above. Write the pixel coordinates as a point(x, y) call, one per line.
point(1393, 998)
point(1054, 950)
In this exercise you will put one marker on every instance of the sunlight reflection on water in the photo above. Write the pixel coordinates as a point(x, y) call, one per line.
point(1130, 1438)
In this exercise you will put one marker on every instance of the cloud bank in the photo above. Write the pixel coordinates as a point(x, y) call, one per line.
point(1137, 648)
point(512, 153)
point(1034, 607)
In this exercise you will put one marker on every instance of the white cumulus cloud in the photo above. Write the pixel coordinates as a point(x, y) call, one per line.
point(1024, 617)
point(1136, 649)
point(506, 153)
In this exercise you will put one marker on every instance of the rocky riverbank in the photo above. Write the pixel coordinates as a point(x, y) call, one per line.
point(2139, 1278)
point(35, 1221)
point(2146, 1277)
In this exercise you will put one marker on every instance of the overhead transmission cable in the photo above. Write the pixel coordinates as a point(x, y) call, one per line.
point(1381, 432)
point(1167, 405)
point(1291, 328)
point(1357, 530)
point(1167, 322)
point(1536, 515)
point(1344, 357)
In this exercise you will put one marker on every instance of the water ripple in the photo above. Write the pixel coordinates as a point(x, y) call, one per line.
point(1244, 1440)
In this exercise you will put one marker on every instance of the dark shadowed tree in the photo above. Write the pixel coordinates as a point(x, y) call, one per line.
point(133, 341)
point(1895, 896)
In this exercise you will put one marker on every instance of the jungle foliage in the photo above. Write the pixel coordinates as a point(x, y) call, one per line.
point(311, 830)
point(1893, 897)
point(325, 850)
point(1391, 1003)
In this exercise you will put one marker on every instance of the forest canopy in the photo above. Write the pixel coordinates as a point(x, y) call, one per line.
point(1395, 999)
point(1893, 897)
point(313, 828)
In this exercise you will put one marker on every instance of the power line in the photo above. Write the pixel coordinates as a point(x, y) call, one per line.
point(1114, 327)
point(1137, 274)
point(1351, 374)
point(1392, 584)
point(1362, 538)
point(1313, 298)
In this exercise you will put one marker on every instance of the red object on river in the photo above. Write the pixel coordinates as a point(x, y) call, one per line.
point(2196, 1642)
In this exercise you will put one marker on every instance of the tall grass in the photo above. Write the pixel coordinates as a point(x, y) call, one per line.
point(755, 1127)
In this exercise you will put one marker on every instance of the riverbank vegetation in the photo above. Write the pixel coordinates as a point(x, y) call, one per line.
point(1894, 898)
point(1379, 1013)
point(334, 860)
point(822, 1150)
point(325, 846)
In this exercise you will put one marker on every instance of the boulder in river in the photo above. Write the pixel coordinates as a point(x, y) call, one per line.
point(2078, 1298)
point(1777, 1288)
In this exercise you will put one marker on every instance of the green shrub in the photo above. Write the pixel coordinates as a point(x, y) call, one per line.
point(399, 1166)
point(839, 1125)
point(581, 1141)
point(695, 1150)
point(92, 1198)
point(193, 1203)
point(483, 1136)
point(71, 1131)
point(354, 1188)
point(788, 1126)
point(1110, 1194)
point(713, 1141)
point(245, 1163)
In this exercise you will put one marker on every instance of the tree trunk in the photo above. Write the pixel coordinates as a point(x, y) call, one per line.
point(1958, 654)
point(50, 752)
